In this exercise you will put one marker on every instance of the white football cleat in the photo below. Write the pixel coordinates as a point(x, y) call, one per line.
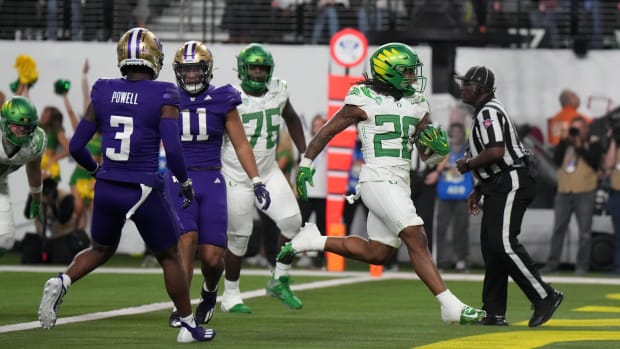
point(53, 291)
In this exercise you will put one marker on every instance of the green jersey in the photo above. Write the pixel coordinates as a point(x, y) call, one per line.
point(261, 117)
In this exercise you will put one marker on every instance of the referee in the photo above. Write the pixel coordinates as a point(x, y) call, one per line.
point(498, 161)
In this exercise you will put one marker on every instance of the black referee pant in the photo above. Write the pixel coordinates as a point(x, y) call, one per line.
point(506, 197)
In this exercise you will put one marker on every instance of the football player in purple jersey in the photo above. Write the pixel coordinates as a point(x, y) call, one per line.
point(207, 114)
point(133, 114)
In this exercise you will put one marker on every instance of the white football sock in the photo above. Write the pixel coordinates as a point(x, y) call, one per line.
point(231, 285)
point(451, 306)
point(281, 270)
point(189, 320)
point(66, 280)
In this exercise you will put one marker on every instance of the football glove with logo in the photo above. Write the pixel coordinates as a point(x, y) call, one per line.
point(261, 193)
point(435, 138)
point(304, 175)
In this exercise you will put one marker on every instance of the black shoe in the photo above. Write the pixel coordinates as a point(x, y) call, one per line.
point(206, 307)
point(174, 320)
point(492, 320)
point(545, 308)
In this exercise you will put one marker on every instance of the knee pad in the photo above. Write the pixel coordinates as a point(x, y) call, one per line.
point(238, 244)
point(289, 226)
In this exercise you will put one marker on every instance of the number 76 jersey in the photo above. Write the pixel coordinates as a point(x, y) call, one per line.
point(261, 118)
point(386, 134)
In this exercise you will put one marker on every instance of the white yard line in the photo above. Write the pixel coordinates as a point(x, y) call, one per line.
point(340, 278)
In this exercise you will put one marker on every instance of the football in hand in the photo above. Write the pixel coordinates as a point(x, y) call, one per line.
point(422, 149)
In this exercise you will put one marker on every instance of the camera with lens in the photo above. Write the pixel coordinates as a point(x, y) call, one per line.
point(573, 132)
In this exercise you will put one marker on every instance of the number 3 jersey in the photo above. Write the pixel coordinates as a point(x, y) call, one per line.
point(128, 116)
point(386, 134)
point(261, 117)
point(202, 123)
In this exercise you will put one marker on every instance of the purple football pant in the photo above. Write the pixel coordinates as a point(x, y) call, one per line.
point(154, 218)
point(208, 213)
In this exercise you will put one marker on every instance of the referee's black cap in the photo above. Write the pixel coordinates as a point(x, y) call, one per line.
point(479, 74)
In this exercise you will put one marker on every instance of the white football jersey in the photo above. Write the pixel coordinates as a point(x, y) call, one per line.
point(261, 117)
point(27, 153)
point(387, 133)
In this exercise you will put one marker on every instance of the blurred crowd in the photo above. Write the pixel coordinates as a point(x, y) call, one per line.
point(579, 24)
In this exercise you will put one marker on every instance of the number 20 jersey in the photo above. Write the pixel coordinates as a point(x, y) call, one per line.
point(261, 117)
point(386, 134)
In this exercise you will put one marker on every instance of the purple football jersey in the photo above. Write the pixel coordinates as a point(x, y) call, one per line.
point(128, 116)
point(202, 123)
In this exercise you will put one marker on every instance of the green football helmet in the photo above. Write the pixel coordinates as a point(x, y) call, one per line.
point(18, 111)
point(254, 54)
point(389, 64)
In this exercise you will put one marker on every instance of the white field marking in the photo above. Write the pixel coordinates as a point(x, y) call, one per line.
point(341, 278)
point(400, 275)
point(168, 305)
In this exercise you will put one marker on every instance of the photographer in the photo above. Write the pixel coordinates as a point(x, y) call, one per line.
point(578, 157)
point(65, 241)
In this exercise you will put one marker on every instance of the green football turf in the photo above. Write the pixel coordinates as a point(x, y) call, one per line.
point(381, 313)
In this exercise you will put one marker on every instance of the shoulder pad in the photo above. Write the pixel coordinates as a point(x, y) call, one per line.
point(39, 140)
point(277, 85)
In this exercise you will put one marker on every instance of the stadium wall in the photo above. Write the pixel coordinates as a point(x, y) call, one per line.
point(528, 82)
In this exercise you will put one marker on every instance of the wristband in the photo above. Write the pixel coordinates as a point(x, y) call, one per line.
point(36, 190)
point(93, 172)
point(305, 162)
point(257, 180)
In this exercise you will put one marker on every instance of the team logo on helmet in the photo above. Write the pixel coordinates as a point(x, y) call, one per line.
point(254, 55)
point(398, 65)
point(193, 66)
point(140, 47)
point(21, 112)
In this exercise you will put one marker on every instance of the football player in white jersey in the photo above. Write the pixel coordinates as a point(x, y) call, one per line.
point(265, 102)
point(390, 112)
point(23, 143)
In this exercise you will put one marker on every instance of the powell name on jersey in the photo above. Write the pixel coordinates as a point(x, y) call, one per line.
point(128, 116)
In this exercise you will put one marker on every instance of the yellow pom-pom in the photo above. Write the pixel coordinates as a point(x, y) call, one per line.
point(26, 69)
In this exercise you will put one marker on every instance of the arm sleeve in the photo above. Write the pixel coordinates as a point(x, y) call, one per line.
point(169, 130)
point(77, 146)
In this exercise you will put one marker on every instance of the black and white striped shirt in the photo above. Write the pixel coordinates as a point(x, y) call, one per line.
point(492, 127)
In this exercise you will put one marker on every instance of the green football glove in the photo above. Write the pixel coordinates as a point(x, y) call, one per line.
point(36, 211)
point(435, 138)
point(304, 175)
